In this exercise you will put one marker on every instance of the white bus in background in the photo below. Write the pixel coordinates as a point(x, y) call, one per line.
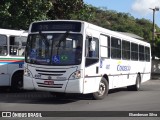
point(12, 46)
point(70, 56)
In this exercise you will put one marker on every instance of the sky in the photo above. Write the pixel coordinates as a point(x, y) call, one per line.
point(136, 8)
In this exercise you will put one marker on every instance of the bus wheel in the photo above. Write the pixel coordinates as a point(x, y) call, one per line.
point(135, 87)
point(17, 81)
point(103, 90)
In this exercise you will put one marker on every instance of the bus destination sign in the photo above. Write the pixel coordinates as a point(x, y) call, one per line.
point(56, 26)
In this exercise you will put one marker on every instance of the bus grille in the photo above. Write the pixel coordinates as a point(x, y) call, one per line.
point(50, 73)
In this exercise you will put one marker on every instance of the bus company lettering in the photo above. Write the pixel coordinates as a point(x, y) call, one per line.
point(123, 68)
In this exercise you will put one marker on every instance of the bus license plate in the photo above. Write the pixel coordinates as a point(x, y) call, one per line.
point(48, 82)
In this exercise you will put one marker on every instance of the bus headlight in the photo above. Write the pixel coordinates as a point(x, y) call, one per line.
point(76, 75)
point(27, 72)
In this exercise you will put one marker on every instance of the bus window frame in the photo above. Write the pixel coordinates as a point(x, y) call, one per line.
point(125, 51)
point(5, 45)
point(115, 55)
point(18, 47)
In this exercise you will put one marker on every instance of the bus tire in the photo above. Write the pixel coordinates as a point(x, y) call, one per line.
point(103, 90)
point(17, 81)
point(135, 87)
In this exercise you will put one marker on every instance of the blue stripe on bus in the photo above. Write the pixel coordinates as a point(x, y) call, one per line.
point(2, 63)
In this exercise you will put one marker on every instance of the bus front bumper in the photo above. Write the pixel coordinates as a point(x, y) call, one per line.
point(67, 86)
point(28, 83)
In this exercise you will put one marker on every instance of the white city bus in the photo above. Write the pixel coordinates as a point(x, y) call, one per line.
point(71, 56)
point(12, 46)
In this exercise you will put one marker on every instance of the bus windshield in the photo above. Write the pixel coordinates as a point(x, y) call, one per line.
point(54, 49)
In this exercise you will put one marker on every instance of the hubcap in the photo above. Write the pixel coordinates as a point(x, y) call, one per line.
point(102, 89)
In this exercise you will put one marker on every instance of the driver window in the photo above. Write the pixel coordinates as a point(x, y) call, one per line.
point(92, 51)
point(92, 47)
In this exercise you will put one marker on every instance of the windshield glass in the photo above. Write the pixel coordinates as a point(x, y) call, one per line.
point(54, 49)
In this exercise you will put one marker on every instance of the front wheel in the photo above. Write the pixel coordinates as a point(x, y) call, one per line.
point(103, 90)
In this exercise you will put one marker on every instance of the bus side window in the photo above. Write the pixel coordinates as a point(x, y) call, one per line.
point(115, 48)
point(17, 45)
point(13, 49)
point(3, 45)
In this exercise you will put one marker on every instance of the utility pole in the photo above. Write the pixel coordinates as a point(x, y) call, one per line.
point(153, 32)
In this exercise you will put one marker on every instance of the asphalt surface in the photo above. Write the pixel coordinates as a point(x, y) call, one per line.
point(112, 107)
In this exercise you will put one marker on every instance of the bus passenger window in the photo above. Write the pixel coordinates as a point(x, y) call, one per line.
point(3, 45)
point(134, 51)
point(147, 54)
point(115, 48)
point(141, 53)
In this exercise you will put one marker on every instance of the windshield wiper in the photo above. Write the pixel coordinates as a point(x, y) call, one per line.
point(43, 39)
point(62, 40)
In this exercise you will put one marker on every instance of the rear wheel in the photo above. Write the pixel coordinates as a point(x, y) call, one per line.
point(135, 87)
point(103, 90)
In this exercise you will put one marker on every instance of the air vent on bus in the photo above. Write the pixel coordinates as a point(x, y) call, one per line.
point(51, 73)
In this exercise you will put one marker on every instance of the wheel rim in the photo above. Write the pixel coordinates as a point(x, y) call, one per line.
point(102, 89)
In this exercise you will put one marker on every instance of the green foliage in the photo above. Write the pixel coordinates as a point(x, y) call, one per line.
point(18, 14)
point(69, 9)
point(122, 22)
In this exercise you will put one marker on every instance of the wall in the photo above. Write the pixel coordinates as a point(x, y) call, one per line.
point(155, 66)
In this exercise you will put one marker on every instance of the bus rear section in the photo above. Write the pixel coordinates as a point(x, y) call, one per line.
point(12, 48)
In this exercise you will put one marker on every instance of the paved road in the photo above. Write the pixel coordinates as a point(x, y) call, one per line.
point(147, 99)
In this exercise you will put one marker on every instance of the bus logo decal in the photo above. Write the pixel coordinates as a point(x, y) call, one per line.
point(49, 77)
point(123, 68)
point(37, 76)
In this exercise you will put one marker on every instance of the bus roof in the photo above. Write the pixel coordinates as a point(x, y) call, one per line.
point(13, 32)
point(58, 20)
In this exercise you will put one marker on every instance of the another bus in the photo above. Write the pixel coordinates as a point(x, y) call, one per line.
point(71, 56)
point(12, 46)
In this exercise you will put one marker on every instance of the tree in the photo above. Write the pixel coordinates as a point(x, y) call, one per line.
point(69, 9)
point(18, 14)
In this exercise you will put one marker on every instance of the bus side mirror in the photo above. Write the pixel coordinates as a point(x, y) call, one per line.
point(92, 46)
